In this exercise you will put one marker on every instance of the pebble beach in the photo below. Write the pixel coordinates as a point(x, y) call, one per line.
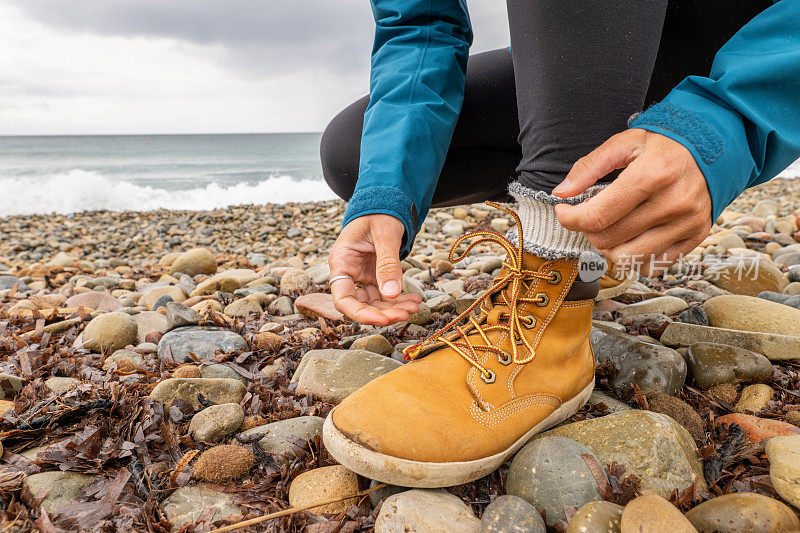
point(170, 371)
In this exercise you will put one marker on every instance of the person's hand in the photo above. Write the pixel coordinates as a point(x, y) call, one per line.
point(368, 251)
point(655, 210)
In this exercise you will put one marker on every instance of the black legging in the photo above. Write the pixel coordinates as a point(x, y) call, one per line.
point(583, 67)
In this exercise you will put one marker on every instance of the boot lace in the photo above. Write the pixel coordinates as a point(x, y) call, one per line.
point(457, 335)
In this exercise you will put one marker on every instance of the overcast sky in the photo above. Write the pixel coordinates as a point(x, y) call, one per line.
point(190, 66)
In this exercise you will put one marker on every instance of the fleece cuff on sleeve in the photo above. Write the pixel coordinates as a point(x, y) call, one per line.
point(387, 201)
point(713, 134)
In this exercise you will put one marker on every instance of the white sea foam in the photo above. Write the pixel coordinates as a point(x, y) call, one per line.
point(79, 190)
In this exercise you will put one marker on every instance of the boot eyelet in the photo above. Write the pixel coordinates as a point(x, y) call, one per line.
point(543, 298)
point(488, 379)
point(529, 321)
point(504, 359)
point(555, 277)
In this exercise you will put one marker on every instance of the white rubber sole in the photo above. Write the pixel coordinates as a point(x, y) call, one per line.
point(613, 292)
point(421, 474)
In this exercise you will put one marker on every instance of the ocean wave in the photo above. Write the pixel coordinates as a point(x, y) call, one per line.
point(79, 190)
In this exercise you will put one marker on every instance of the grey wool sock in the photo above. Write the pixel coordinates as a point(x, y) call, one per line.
point(543, 234)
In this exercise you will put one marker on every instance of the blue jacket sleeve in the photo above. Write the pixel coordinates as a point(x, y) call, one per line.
point(742, 122)
point(419, 64)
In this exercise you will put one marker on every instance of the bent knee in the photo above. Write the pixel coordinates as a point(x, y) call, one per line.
point(340, 148)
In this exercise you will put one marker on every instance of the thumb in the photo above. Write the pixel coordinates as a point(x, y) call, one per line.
point(617, 152)
point(388, 271)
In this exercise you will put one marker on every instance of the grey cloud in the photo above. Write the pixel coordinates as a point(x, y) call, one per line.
point(258, 37)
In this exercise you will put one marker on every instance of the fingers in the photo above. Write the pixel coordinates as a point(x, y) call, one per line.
point(643, 217)
point(654, 251)
point(388, 271)
point(595, 214)
point(617, 152)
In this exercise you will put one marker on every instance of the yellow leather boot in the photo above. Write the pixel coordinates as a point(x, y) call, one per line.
point(516, 363)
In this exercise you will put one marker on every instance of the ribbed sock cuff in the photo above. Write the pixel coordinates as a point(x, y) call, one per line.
point(543, 234)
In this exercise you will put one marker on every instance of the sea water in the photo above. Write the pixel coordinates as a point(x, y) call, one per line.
point(66, 174)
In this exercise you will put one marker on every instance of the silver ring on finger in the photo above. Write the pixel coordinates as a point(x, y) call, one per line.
point(337, 278)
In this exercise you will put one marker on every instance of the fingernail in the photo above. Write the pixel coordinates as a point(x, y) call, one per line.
point(563, 186)
point(390, 288)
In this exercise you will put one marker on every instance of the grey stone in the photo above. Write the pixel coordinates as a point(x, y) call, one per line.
point(651, 445)
point(216, 391)
point(214, 423)
point(63, 487)
point(688, 295)
point(425, 511)
point(221, 370)
point(774, 347)
point(422, 316)
point(373, 343)
point(381, 494)
point(275, 437)
point(612, 404)
point(203, 341)
point(665, 305)
point(655, 369)
point(712, 364)
point(57, 385)
point(10, 386)
point(187, 504)
point(510, 514)
point(332, 375)
point(178, 315)
point(132, 358)
point(693, 315)
point(551, 473)
point(441, 304)
point(7, 282)
point(162, 302)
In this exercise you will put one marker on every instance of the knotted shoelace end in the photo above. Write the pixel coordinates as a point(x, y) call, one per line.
point(411, 352)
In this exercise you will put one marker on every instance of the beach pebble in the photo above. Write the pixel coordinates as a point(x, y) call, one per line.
point(757, 429)
point(277, 438)
point(373, 343)
point(294, 280)
point(188, 503)
point(712, 364)
point(203, 341)
point(653, 514)
point(99, 301)
point(509, 514)
point(215, 390)
point(57, 385)
point(551, 473)
point(654, 369)
point(152, 297)
point(332, 375)
point(651, 445)
point(10, 386)
point(243, 307)
point(214, 423)
point(748, 275)
point(316, 305)
point(682, 413)
point(178, 315)
point(221, 370)
point(774, 347)
point(746, 313)
point(124, 360)
point(62, 487)
point(323, 484)
point(425, 511)
point(784, 467)
point(754, 398)
point(149, 323)
point(743, 511)
point(110, 332)
point(194, 262)
point(665, 305)
point(597, 517)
